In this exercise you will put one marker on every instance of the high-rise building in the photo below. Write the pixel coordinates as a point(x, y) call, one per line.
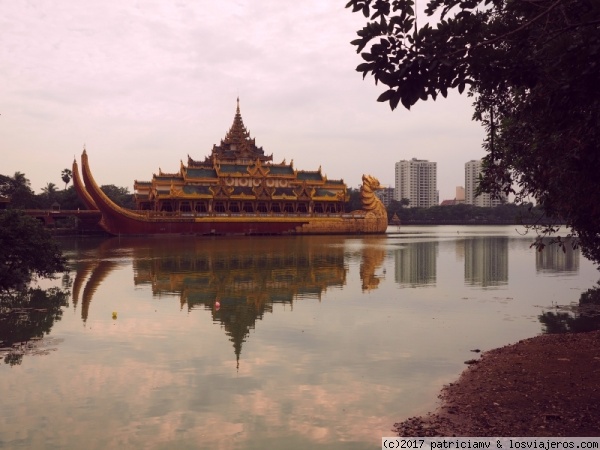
point(386, 195)
point(472, 170)
point(416, 180)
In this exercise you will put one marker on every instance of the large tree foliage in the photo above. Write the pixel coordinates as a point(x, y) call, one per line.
point(533, 69)
point(119, 195)
point(18, 190)
point(26, 250)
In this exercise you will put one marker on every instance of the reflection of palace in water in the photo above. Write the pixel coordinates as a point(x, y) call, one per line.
point(371, 259)
point(416, 264)
point(486, 261)
point(246, 276)
point(89, 275)
point(556, 259)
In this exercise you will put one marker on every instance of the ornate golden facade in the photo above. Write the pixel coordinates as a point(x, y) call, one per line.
point(238, 178)
point(236, 190)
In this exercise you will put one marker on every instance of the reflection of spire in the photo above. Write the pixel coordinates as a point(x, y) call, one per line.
point(248, 276)
point(98, 275)
point(97, 269)
point(238, 317)
point(82, 271)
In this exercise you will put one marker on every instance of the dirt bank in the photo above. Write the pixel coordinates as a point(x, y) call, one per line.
point(544, 386)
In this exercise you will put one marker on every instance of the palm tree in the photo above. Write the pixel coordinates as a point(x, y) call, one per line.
point(49, 193)
point(19, 180)
point(50, 189)
point(18, 189)
point(66, 176)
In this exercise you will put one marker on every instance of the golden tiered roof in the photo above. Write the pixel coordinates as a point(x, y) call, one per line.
point(236, 147)
point(238, 170)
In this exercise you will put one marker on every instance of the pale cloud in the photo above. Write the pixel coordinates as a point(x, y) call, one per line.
point(145, 83)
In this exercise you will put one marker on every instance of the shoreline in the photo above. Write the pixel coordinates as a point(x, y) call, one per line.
point(548, 385)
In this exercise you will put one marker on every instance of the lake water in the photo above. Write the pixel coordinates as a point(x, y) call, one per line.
point(319, 341)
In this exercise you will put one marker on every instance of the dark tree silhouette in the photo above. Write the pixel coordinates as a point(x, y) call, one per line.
point(531, 67)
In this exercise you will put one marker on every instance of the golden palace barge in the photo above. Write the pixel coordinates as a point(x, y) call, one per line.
point(236, 190)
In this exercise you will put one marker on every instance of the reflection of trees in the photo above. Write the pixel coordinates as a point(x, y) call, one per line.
point(581, 317)
point(25, 316)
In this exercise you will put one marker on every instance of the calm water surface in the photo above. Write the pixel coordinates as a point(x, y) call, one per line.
point(319, 342)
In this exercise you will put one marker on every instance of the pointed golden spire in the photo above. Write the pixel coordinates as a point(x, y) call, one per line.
point(237, 145)
point(237, 134)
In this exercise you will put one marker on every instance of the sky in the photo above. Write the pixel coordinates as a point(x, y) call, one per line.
point(143, 84)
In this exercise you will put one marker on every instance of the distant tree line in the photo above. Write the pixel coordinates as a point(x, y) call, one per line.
point(17, 188)
point(508, 213)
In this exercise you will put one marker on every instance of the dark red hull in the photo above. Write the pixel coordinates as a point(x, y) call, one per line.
point(120, 221)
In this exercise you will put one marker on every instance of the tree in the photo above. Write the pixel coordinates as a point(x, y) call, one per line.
point(18, 189)
point(66, 176)
point(49, 195)
point(354, 203)
point(532, 67)
point(69, 199)
point(26, 250)
point(119, 195)
point(50, 189)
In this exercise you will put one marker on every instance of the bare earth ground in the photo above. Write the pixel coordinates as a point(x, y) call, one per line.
point(548, 385)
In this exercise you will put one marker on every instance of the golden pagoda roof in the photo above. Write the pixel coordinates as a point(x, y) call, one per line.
point(236, 146)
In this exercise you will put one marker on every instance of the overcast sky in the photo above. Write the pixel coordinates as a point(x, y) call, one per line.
point(142, 84)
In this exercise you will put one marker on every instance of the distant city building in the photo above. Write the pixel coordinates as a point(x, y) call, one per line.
point(472, 170)
point(386, 195)
point(457, 200)
point(449, 202)
point(460, 194)
point(416, 180)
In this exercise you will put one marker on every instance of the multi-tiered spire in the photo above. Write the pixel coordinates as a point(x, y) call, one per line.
point(237, 147)
point(237, 143)
point(237, 134)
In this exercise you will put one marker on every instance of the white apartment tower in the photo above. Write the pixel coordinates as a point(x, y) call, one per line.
point(472, 170)
point(416, 180)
